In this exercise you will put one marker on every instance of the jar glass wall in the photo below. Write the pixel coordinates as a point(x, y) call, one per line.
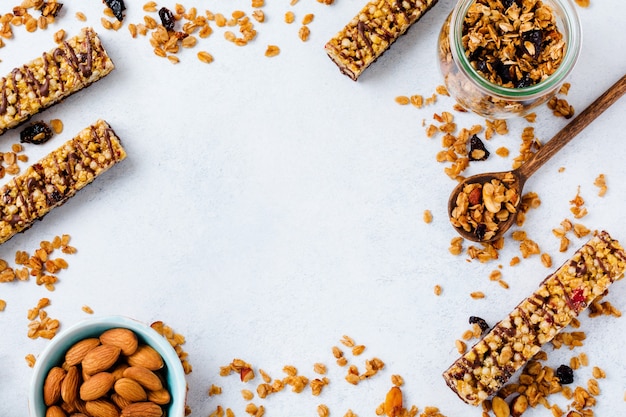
point(474, 92)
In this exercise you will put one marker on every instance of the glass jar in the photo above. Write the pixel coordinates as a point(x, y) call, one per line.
point(474, 92)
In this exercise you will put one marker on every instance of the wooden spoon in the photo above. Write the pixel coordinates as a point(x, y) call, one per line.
point(521, 174)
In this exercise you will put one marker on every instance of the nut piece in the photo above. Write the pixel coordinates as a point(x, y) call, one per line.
point(124, 339)
point(76, 353)
point(393, 402)
point(500, 407)
point(100, 359)
point(160, 397)
point(96, 386)
point(55, 411)
point(130, 390)
point(69, 387)
point(146, 378)
point(519, 405)
point(101, 408)
point(52, 385)
point(142, 409)
point(146, 357)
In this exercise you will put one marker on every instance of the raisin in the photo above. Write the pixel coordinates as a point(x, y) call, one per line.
point(36, 133)
point(117, 7)
point(480, 231)
point(509, 3)
point(167, 18)
point(526, 81)
point(503, 71)
point(535, 37)
point(481, 323)
point(478, 152)
point(565, 374)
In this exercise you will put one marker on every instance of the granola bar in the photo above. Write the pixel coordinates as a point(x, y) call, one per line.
point(57, 177)
point(46, 80)
point(486, 367)
point(368, 35)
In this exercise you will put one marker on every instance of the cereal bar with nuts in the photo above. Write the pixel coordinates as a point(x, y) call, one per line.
point(368, 35)
point(561, 297)
point(48, 79)
point(57, 177)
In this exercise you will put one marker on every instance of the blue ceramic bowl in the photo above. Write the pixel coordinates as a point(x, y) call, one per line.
point(54, 354)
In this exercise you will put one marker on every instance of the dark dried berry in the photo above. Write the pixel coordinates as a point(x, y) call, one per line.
point(481, 323)
point(481, 65)
point(167, 18)
point(535, 37)
point(565, 374)
point(509, 3)
point(36, 133)
point(503, 71)
point(480, 231)
point(117, 7)
point(526, 81)
point(477, 152)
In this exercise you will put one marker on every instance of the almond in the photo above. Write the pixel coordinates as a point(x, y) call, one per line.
point(148, 379)
point(96, 386)
point(118, 371)
point(101, 408)
point(130, 390)
point(52, 385)
point(100, 359)
point(143, 409)
point(147, 357)
point(77, 352)
point(124, 339)
point(160, 397)
point(393, 402)
point(69, 387)
point(55, 411)
point(519, 405)
point(120, 401)
point(500, 407)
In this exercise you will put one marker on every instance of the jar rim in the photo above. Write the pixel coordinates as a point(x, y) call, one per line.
point(572, 30)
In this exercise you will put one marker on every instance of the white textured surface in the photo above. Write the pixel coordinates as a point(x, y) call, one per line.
point(269, 206)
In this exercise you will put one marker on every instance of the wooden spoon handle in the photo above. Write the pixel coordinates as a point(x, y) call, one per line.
point(573, 128)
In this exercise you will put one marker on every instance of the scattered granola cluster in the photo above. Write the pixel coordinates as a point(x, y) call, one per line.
point(391, 407)
point(21, 16)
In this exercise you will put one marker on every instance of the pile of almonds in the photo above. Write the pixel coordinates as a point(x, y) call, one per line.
point(113, 375)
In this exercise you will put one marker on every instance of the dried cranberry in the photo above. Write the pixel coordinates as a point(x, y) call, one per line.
point(167, 18)
point(481, 323)
point(565, 374)
point(578, 299)
point(117, 7)
point(478, 152)
point(36, 133)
